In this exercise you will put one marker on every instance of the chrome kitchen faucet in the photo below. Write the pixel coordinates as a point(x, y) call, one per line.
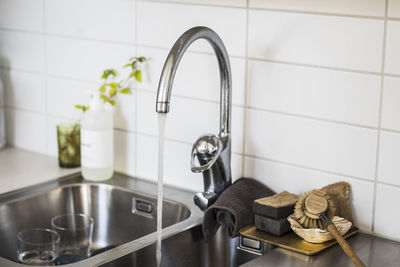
point(213, 152)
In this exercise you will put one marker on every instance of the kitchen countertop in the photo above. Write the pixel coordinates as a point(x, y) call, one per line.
point(373, 251)
point(20, 168)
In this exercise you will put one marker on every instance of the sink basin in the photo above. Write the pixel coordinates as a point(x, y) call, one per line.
point(189, 248)
point(124, 213)
point(120, 215)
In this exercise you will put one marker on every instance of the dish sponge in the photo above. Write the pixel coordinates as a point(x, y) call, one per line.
point(271, 212)
point(277, 206)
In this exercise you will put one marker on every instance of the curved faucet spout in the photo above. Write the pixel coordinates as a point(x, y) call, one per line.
point(171, 65)
point(212, 152)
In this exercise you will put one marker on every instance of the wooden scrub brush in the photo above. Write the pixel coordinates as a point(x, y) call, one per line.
point(315, 209)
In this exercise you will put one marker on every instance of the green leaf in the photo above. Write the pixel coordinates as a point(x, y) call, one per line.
point(83, 108)
point(104, 97)
point(138, 75)
point(102, 88)
point(113, 85)
point(113, 91)
point(108, 72)
point(125, 91)
point(132, 65)
point(112, 102)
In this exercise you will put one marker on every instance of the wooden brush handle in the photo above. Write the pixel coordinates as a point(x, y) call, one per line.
point(345, 246)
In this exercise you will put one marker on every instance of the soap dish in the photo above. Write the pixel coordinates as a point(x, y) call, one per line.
point(316, 235)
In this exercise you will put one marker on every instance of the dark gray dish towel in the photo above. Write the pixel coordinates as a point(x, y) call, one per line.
point(233, 209)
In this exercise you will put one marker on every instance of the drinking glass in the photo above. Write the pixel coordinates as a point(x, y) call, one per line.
point(38, 246)
point(75, 232)
point(69, 145)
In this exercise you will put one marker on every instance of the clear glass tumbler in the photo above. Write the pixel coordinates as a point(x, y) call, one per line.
point(69, 144)
point(38, 247)
point(75, 232)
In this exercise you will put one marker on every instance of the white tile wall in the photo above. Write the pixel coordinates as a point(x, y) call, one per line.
point(236, 3)
point(390, 105)
point(314, 92)
point(24, 90)
point(386, 196)
point(64, 94)
point(26, 130)
point(110, 20)
point(320, 40)
point(84, 59)
point(322, 145)
point(228, 22)
point(353, 7)
point(310, 96)
point(392, 63)
point(389, 167)
point(198, 75)
point(22, 50)
point(25, 15)
point(394, 8)
point(124, 152)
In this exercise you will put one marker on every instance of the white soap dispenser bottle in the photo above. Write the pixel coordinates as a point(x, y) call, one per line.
point(97, 141)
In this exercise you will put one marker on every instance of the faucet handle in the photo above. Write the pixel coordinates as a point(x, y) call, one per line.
point(207, 149)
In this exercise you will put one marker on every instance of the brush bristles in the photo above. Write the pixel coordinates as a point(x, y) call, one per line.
point(305, 220)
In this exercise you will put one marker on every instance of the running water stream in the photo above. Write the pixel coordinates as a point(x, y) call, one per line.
point(161, 133)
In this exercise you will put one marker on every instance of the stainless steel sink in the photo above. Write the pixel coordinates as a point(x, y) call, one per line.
point(189, 248)
point(121, 213)
point(124, 211)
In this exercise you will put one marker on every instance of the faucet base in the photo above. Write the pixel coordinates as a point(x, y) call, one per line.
point(205, 199)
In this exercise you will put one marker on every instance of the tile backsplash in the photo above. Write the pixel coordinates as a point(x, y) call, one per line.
point(316, 88)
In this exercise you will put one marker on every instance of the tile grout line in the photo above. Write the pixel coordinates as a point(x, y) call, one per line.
point(149, 91)
point(282, 10)
point(154, 136)
point(65, 36)
point(45, 76)
point(317, 13)
point(246, 77)
point(202, 52)
point(309, 168)
point(385, 25)
point(136, 151)
point(26, 110)
point(192, 4)
point(289, 114)
point(211, 54)
point(300, 116)
point(390, 130)
point(306, 65)
point(194, 52)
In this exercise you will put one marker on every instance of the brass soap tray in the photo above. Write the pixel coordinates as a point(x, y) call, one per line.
point(291, 241)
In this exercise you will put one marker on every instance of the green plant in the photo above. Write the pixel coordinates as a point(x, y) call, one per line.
point(112, 84)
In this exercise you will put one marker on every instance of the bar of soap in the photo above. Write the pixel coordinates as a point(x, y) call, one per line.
point(272, 225)
point(277, 206)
